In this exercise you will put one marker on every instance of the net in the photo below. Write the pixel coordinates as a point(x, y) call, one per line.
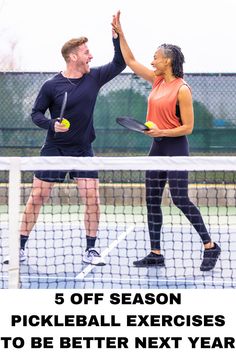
point(54, 251)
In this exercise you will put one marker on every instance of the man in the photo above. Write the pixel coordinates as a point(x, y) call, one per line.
point(82, 85)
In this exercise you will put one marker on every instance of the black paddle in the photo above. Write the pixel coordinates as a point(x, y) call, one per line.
point(132, 124)
point(61, 119)
point(63, 107)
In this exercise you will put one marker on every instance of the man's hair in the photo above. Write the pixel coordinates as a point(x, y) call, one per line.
point(72, 45)
point(177, 58)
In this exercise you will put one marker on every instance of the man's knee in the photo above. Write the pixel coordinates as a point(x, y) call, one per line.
point(40, 195)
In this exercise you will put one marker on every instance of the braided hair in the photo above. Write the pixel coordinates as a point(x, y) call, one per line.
point(177, 58)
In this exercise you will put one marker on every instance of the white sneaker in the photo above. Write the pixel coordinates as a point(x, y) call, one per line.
point(22, 257)
point(92, 256)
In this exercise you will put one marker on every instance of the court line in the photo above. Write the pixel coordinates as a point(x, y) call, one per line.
point(121, 237)
point(134, 280)
point(166, 281)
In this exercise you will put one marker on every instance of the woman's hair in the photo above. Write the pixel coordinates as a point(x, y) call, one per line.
point(177, 58)
point(72, 45)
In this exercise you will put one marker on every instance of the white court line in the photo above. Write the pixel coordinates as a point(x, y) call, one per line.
point(232, 284)
point(121, 237)
point(164, 281)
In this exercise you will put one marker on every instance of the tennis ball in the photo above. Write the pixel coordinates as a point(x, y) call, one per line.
point(149, 124)
point(66, 123)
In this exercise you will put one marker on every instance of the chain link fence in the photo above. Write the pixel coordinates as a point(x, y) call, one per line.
point(214, 98)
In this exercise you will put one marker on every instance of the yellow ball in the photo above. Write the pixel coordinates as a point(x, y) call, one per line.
point(66, 123)
point(149, 124)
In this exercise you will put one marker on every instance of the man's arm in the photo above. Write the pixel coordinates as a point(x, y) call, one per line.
point(115, 67)
point(41, 105)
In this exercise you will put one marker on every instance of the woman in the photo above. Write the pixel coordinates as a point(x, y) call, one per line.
point(169, 100)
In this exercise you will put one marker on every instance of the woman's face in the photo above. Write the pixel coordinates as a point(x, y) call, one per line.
point(159, 62)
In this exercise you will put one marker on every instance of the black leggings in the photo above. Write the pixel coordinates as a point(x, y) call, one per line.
point(178, 184)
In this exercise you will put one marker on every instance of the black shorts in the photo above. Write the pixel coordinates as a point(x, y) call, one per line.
point(59, 176)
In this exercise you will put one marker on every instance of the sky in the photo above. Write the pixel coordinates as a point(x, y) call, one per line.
point(204, 29)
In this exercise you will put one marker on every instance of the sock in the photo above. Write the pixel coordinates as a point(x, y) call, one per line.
point(212, 248)
point(155, 254)
point(90, 242)
point(23, 240)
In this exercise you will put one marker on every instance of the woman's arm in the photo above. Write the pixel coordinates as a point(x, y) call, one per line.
point(187, 117)
point(129, 58)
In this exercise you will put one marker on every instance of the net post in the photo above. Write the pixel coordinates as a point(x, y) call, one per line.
point(14, 216)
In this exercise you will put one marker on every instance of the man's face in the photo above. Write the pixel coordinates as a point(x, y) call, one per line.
point(81, 58)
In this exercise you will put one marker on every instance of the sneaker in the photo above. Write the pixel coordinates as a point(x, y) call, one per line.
point(151, 260)
point(210, 258)
point(22, 257)
point(91, 256)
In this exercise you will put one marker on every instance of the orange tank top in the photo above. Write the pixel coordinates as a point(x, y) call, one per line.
point(162, 103)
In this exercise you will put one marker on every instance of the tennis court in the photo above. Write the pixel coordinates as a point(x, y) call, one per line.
point(55, 265)
point(55, 248)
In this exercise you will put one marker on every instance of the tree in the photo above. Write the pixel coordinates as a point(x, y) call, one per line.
point(203, 117)
point(110, 136)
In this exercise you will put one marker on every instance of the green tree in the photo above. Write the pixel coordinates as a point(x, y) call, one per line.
point(119, 103)
point(110, 136)
point(203, 117)
point(200, 140)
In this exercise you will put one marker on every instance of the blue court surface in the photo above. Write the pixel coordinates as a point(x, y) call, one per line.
point(54, 257)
